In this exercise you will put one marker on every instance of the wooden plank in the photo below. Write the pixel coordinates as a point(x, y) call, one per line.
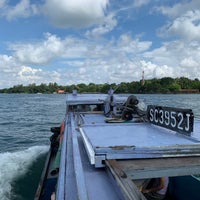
point(129, 189)
point(159, 162)
point(149, 168)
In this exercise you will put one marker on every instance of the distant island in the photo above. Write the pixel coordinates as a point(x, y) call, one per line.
point(166, 85)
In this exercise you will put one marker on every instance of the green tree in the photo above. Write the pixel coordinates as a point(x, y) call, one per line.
point(91, 88)
point(184, 82)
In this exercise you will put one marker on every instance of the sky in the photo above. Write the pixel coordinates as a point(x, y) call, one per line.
point(97, 41)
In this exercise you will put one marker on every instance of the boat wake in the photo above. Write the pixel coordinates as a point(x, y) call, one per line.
point(15, 164)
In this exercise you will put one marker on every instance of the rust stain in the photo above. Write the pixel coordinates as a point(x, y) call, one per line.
point(121, 147)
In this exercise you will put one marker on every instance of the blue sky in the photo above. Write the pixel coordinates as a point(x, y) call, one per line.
point(101, 41)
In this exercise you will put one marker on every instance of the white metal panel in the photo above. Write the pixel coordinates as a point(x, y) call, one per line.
point(138, 135)
point(141, 140)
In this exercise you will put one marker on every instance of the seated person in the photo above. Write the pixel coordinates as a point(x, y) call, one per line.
point(156, 188)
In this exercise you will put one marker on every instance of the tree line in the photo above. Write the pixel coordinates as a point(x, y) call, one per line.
point(163, 85)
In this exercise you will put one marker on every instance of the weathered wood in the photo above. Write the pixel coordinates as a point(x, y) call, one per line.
point(158, 167)
point(129, 189)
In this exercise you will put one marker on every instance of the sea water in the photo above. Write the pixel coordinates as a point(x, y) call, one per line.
point(25, 122)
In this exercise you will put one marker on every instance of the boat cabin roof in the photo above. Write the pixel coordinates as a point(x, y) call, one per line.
point(134, 140)
point(77, 99)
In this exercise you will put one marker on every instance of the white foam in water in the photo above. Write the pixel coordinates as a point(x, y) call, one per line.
point(16, 164)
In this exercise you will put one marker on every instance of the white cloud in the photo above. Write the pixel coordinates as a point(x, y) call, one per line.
point(181, 58)
point(121, 59)
point(38, 52)
point(115, 67)
point(128, 45)
point(108, 25)
point(62, 13)
point(187, 26)
point(8, 65)
point(9, 68)
point(152, 70)
point(81, 60)
point(178, 8)
point(22, 9)
point(53, 47)
point(100, 57)
point(2, 3)
point(75, 13)
point(14, 72)
point(163, 71)
point(139, 3)
point(189, 63)
point(29, 75)
point(28, 72)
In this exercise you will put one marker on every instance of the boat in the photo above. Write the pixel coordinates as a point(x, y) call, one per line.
point(108, 145)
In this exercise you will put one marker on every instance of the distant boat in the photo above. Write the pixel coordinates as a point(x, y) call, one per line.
point(108, 144)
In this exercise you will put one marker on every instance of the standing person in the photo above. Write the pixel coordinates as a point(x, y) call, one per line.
point(156, 189)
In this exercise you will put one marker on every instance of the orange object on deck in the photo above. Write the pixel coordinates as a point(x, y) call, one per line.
point(62, 127)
